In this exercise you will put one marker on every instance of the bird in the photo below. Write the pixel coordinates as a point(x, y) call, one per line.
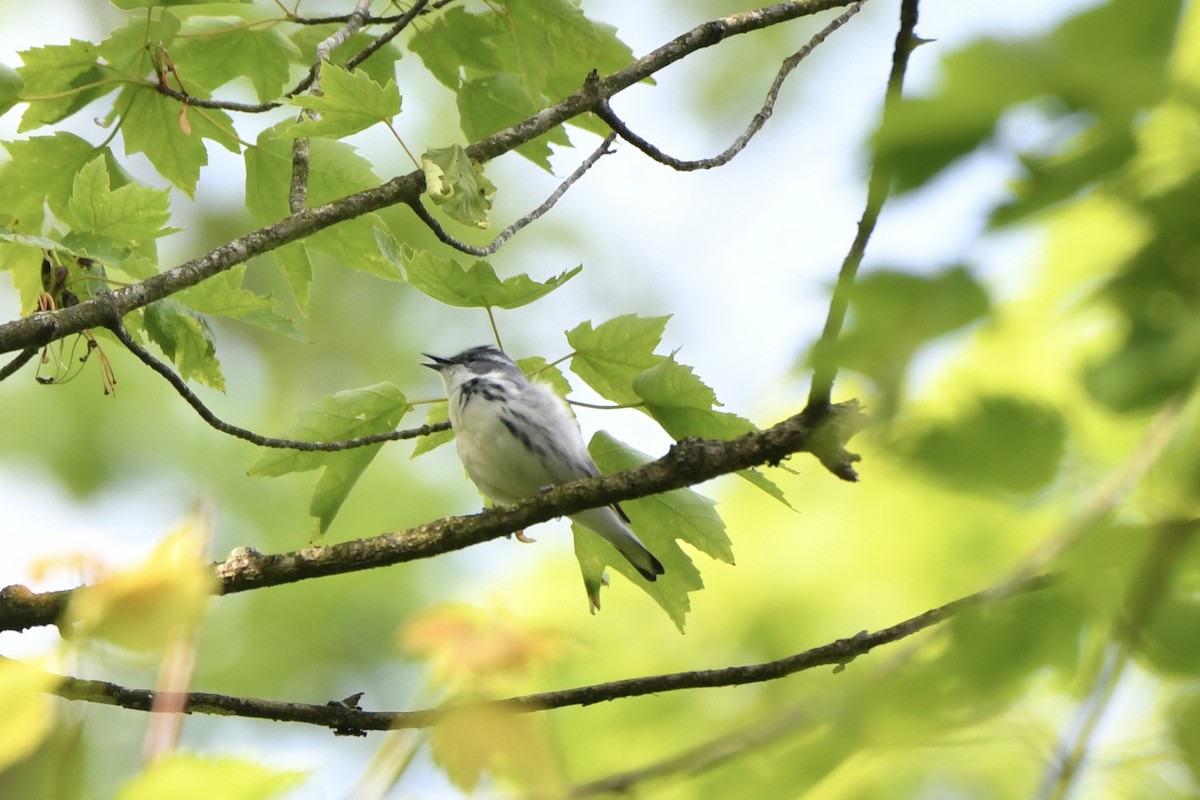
point(516, 438)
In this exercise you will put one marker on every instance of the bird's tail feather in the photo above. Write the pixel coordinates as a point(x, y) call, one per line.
point(605, 523)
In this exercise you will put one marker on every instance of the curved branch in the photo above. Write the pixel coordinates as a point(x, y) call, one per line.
point(208, 416)
point(20, 360)
point(825, 366)
point(605, 112)
point(688, 462)
point(345, 718)
point(39, 329)
point(445, 238)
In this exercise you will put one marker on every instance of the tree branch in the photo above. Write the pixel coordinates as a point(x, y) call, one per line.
point(18, 361)
point(605, 112)
point(41, 328)
point(824, 364)
point(688, 462)
point(208, 416)
point(348, 719)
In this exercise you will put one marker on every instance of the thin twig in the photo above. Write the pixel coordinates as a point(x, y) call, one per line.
point(824, 363)
point(391, 33)
point(508, 232)
point(605, 112)
point(341, 716)
point(208, 416)
point(20, 360)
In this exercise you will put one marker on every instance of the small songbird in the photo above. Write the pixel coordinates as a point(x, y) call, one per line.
point(516, 438)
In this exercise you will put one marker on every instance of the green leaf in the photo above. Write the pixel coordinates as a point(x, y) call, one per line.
point(217, 50)
point(42, 172)
point(1003, 443)
point(346, 415)
point(349, 102)
point(185, 776)
point(541, 372)
point(1184, 718)
point(458, 185)
point(125, 216)
point(445, 280)
point(488, 105)
point(456, 43)
point(170, 134)
point(11, 86)
point(69, 76)
point(132, 48)
point(186, 339)
point(438, 412)
point(293, 261)
point(335, 170)
point(893, 314)
point(610, 357)
point(660, 521)
point(381, 66)
point(24, 263)
point(223, 295)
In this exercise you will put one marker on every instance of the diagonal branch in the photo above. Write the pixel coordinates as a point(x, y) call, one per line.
point(688, 462)
point(824, 363)
point(39, 329)
point(345, 718)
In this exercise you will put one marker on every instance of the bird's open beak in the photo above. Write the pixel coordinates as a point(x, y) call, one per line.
point(438, 362)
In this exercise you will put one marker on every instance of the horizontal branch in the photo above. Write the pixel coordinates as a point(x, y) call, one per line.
point(691, 461)
point(345, 718)
point(41, 328)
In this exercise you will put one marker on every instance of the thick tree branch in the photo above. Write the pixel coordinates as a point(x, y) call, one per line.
point(346, 718)
point(39, 329)
point(689, 462)
point(824, 363)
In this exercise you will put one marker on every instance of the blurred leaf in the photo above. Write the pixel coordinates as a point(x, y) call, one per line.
point(223, 294)
point(185, 338)
point(893, 314)
point(1003, 443)
point(466, 645)
point(55, 770)
point(1185, 729)
point(346, 415)
point(445, 280)
point(1169, 641)
point(610, 357)
point(184, 776)
point(26, 712)
point(474, 741)
point(660, 521)
point(349, 102)
point(132, 48)
point(458, 185)
point(147, 606)
point(68, 76)
point(922, 136)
